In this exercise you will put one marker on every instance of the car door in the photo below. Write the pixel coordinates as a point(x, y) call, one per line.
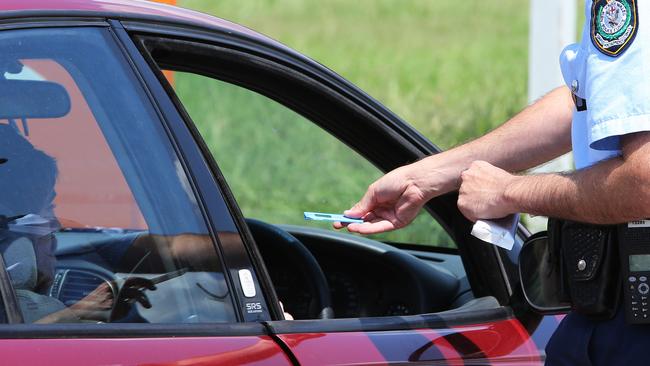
point(223, 80)
point(110, 253)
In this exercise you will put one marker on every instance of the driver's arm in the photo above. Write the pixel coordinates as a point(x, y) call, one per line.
point(194, 250)
point(197, 250)
point(93, 306)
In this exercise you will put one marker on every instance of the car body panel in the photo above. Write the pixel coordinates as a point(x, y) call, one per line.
point(501, 342)
point(189, 351)
point(123, 9)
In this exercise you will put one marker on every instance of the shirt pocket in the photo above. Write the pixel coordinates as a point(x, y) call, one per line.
point(572, 64)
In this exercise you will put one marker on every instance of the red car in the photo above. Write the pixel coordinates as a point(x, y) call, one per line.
point(127, 239)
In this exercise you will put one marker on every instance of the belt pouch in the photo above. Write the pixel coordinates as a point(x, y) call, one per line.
point(591, 266)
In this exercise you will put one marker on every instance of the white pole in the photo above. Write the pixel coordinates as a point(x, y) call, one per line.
point(553, 26)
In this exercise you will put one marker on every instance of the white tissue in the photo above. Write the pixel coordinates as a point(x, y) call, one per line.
point(500, 232)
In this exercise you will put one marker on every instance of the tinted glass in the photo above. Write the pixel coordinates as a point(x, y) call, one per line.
point(99, 220)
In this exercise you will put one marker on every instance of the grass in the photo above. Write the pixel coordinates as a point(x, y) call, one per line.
point(454, 70)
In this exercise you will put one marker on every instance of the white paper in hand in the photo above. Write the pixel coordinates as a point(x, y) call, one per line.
point(500, 232)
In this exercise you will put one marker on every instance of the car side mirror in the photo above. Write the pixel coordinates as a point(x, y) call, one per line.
point(541, 276)
point(25, 99)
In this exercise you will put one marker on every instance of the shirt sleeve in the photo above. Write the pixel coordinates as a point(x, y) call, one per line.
point(617, 91)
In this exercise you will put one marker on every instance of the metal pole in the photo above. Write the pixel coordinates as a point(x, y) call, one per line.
point(553, 26)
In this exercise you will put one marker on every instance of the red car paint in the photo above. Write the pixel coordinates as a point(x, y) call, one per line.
point(124, 8)
point(191, 351)
point(502, 342)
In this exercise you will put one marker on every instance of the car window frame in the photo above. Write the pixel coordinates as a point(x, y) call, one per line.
point(484, 265)
point(183, 145)
point(221, 216)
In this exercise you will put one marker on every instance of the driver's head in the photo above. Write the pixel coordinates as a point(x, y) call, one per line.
point(27, 176)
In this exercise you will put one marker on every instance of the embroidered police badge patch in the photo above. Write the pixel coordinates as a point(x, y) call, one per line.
point(614, 25)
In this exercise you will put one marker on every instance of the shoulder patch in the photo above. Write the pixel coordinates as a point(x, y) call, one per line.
point(614, 24)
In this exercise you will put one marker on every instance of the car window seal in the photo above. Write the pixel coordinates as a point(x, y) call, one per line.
point(130, 330)
point(31, 23)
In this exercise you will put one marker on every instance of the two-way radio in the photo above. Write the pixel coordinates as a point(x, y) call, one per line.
point(634, 252)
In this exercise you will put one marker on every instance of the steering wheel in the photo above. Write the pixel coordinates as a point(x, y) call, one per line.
point(275, 243)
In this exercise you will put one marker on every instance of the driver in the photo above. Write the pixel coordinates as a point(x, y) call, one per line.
point(27, 180)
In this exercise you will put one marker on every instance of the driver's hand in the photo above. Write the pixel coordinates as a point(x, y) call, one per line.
point(95, 305)
point(390, 203)
point(132, 290)
point(287, 316)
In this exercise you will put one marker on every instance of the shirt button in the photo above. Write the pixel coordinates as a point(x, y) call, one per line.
point(575, 86)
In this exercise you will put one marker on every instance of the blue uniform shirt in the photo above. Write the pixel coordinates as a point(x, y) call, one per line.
point(617, 91)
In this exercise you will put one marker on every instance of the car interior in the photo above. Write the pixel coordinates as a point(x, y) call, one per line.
point(365, 278)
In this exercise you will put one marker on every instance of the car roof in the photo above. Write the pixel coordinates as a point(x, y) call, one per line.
point(123, 9)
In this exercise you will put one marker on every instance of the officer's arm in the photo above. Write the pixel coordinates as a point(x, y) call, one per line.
point(613, 191)
point(539, 133)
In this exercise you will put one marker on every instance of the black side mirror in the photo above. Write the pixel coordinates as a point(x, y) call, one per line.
point(541, 276)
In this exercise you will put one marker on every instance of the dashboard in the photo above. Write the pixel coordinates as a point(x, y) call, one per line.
point(86, 260)
point(367, 278)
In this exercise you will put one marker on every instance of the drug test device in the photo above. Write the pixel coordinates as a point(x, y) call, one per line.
point(321, 216)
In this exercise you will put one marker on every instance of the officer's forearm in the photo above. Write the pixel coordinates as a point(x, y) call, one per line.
point(614, 191)
point(539, 133)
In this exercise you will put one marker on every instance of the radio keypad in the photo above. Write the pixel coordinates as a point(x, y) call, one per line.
point(638, 292)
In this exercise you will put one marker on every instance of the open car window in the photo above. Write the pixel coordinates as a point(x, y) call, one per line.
point(98, 219)
point(279, 164)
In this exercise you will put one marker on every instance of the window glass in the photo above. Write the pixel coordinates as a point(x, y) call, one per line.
point(98, 221)
point(279, 164)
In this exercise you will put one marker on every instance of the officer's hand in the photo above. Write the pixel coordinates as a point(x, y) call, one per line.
point(482, 192)
point(390, 203)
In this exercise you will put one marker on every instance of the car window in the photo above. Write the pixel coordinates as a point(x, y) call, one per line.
point(279, 164)
point(98, 219)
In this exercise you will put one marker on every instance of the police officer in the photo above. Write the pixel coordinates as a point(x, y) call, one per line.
point(603, 114)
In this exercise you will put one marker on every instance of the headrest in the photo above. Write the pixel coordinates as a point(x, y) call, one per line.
point(20, 262)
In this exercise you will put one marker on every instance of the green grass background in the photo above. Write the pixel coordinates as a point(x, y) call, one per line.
point(454, 70)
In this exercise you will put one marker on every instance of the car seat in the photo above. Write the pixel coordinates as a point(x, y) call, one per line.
point(20, 262)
